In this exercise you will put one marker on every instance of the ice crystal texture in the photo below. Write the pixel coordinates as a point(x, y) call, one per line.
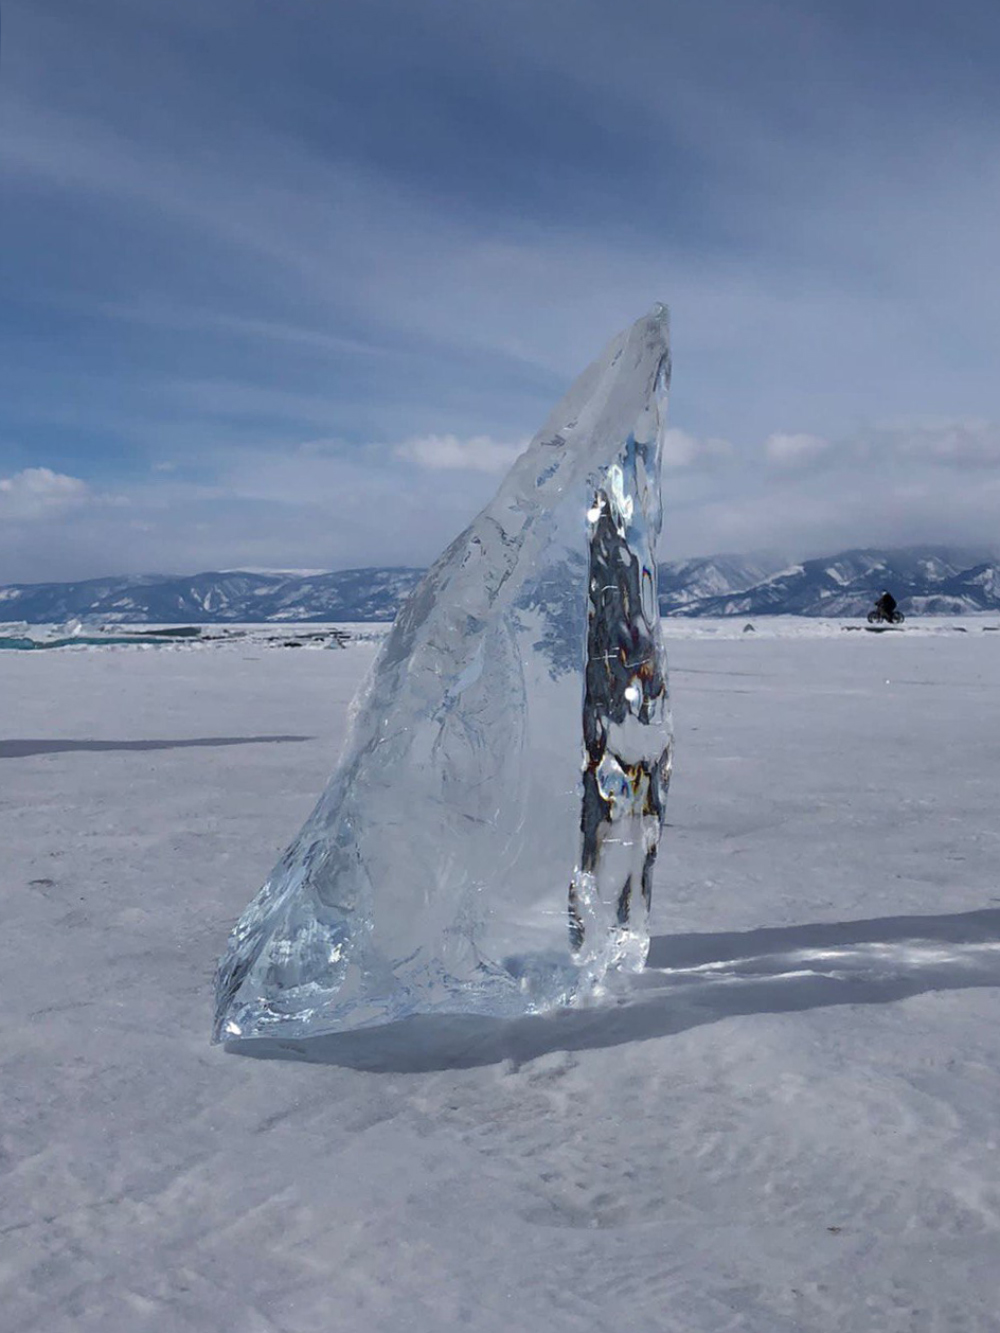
point(486, 844)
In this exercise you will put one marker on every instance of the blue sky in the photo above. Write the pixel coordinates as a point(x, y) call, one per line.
point(286, 284)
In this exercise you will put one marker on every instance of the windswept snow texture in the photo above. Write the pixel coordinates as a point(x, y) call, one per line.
point(435, 873)
point(786, 1124)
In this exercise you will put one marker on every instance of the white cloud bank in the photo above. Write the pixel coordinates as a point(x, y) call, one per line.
point(794, 450)
point(681, 450)
point(956, 445)
point(326, 504)
point(37, 491)
point(481, 453)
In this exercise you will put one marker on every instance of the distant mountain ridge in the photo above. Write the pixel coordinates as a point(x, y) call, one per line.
point(925, 580)
point(214, 598)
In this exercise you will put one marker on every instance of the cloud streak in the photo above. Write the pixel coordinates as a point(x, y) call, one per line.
point(230, 249)
point(448, 453)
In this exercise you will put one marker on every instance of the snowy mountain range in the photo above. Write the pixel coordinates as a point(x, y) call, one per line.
point(222, 597)
point(924, 580)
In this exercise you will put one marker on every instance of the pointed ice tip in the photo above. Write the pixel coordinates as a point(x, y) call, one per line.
point(660, 311)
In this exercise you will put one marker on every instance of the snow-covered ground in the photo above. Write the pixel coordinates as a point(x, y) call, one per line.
point(791, 1122)
point(311, 634)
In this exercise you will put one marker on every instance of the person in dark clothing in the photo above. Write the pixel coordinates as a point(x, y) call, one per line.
point(886, 606)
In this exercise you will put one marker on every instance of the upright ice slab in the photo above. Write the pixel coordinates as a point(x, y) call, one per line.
point(486, 844)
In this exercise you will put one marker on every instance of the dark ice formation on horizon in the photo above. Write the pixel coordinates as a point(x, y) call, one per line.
point(486, 843)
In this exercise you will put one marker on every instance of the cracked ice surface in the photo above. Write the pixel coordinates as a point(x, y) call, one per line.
point(486, 843)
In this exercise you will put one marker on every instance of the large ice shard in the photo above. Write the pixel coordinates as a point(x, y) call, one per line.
point(486, 844)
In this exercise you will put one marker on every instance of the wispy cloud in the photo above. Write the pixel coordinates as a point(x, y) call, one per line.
point(449, 453)
point(336, 291)
point(945, 446)
point(948, 444)
point(794, 450)
point(682, 450)
point(199, 320)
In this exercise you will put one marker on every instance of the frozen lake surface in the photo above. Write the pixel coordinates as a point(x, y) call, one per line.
point(790, 1123)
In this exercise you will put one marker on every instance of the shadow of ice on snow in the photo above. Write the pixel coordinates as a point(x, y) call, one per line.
point(689, 980)
point(27, 749)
